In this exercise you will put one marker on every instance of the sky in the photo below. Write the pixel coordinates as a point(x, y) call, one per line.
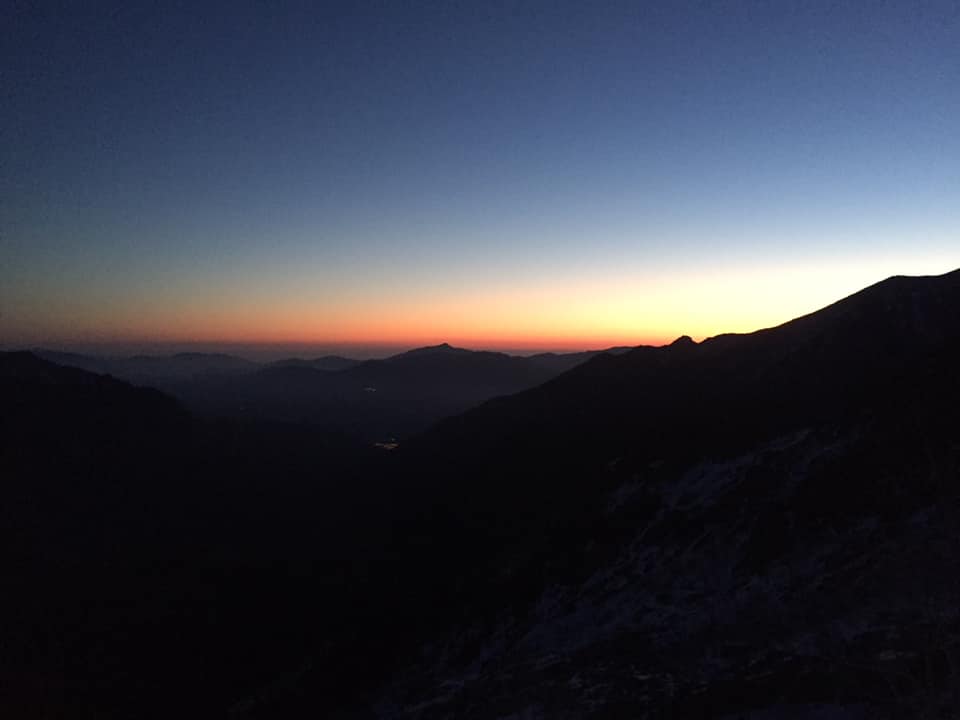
point(556, 175)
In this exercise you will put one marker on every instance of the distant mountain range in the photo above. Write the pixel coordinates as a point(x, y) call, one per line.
point(372, 399)
point(757, 526)
point(153, 369)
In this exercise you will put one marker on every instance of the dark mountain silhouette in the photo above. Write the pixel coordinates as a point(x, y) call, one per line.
point(370, 400)
point(750, 526)
point(396, 396)
point(146, 553)
point(90, 469)
point(40, 395)
point(732, 386)
point(441, 349)
point(755, 526)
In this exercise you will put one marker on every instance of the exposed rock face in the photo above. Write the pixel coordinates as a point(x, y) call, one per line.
point(781, 578)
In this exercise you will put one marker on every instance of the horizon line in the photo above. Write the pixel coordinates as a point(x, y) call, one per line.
point(279, 349)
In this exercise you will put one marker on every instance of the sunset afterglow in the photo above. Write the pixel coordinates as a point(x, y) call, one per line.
point(497, 180)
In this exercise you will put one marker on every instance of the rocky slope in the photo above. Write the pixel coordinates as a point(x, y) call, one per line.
point(759, 526)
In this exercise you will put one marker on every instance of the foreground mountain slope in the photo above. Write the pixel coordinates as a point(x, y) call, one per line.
point(756, 525)
point(816, 573)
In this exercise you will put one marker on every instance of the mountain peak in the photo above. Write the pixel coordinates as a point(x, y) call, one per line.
point(435, 348)
point(432, 349)
point(683, 341)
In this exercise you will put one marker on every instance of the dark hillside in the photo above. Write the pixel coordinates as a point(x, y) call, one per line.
point(830, 438)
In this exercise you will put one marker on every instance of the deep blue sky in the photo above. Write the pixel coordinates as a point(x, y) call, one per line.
point(494, 173)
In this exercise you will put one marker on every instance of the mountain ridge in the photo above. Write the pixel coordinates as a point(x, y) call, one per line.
point(660, 450)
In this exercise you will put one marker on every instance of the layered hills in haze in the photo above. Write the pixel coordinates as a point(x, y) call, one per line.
point(368, 399)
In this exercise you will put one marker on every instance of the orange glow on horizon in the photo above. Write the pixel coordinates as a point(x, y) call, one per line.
point(563, 314)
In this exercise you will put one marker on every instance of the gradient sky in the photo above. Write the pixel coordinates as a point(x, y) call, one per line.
point(493, 174)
